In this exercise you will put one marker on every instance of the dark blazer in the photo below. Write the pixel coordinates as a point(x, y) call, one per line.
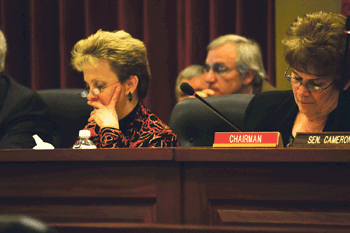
point(276, 111)
point(22, 114)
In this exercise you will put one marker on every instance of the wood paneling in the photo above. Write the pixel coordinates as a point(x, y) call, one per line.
point(310, 191)
point(250, 190)
point(80, 189)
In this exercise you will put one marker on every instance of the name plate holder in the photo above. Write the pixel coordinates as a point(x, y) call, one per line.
point(248, 139)
point(322, 140)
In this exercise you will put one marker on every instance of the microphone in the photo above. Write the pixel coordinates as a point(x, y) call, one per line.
point(188, 89)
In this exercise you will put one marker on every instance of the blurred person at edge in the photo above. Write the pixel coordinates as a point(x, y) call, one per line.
point(194, 75)
point(234, 66)
point(116, 70)
point(22, 111)
point(314, 49)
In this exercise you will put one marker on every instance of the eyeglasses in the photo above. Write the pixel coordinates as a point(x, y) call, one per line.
point(217, 68)
point(310, 86)
point(95, 91)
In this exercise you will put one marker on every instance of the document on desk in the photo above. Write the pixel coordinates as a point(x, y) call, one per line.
point(248, 139)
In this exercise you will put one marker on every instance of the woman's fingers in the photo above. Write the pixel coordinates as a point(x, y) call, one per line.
point(106, 115)
point(115, 97)
point(95, 105)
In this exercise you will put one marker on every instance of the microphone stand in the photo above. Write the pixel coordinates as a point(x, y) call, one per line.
point(217, 112)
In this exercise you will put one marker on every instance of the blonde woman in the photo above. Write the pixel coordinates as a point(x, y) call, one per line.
point(117, 74)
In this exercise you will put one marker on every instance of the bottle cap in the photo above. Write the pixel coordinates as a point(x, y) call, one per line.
point(84, 133)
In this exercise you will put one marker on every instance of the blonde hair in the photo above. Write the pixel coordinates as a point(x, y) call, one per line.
point(127, 56)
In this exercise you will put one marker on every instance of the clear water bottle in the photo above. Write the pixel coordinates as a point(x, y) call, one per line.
point(84, 141)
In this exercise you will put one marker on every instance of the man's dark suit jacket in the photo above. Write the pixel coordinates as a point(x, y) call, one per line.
point(22, 114)
point(276, 111)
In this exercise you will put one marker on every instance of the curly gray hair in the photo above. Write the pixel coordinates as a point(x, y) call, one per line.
point(249, 57)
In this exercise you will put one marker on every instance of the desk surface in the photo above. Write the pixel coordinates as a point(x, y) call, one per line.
point(120, 154)
point(261, 155)
point(203, 154)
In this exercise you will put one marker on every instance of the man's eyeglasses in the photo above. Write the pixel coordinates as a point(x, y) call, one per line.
point(310, 86)
point(217, 68)
point(95, 91)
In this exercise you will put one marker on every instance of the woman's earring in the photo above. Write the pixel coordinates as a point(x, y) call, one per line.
point(129, 96)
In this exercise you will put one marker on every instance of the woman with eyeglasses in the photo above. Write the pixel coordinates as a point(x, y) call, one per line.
point(314, 48)
point(117, 74)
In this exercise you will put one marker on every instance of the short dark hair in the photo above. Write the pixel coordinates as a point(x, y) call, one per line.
point(315, 44)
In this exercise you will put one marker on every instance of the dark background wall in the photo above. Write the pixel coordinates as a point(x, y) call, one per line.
point(41, 34)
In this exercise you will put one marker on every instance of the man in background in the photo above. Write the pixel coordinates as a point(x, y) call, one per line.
point(22, 112)
point(234, 66)
point(194, 75)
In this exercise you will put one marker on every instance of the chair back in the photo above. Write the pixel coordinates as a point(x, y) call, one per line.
point(69, 112)
point(195, 124)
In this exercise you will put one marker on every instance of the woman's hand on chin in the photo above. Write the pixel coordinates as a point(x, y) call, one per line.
point(106, 115)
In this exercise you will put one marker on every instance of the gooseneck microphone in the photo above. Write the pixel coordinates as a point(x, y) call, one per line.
point(188, 89)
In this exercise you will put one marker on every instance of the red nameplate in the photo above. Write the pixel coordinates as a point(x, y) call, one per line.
point(248, 139)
